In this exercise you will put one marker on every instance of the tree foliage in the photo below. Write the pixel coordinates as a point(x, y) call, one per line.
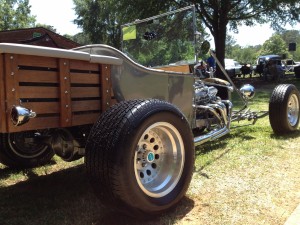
point(15, 14)
point(274, 45)
point(100, 18)
point(80, 38)
point(49, 27)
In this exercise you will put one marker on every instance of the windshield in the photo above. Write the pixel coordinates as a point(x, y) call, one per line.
point(167, 39)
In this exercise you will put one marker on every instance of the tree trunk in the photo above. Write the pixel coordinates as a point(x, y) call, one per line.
point(220, 40)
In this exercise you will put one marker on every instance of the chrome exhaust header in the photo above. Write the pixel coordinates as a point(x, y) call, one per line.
point(20, 115)
point(222, 111)
point(212, 135)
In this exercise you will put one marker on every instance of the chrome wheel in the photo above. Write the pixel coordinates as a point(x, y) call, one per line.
point(159, 159)
point(293, 110)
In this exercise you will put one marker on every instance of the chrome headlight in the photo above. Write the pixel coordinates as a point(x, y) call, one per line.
point(248, 91)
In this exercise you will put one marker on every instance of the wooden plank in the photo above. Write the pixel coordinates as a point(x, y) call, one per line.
point(83, 65)
point(36, 123)
point(39, 92)
point(85, 78)
point(11, 82)
point(85, 92)
point(43, 107)
point(38, 76)
point(176, 68)
point(2, 96)
point(11, 79)
point(37, 61)
point(79, 106)
point(106, 86)
point(85, 119)
point(65, 94)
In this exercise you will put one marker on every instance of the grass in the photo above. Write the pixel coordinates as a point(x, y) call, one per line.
point(250, 176)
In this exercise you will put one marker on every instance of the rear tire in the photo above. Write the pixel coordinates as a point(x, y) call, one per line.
point(140, 157)
point(17, 152)
point(284, 109)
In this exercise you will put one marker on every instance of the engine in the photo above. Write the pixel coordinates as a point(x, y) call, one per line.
point(213, 115)
point(204, 94)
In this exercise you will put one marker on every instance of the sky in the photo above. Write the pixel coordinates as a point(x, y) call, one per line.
point(60, 14)
point(57, 13)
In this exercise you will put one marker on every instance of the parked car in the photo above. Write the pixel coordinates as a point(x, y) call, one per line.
point(289, 65)
point(263, 59)
point(233, 67)
point(270, 67)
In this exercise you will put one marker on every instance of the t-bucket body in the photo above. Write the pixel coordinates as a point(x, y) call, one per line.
point(134, 81)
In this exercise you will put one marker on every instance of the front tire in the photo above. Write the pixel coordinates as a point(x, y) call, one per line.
point(140, 157)
point(284, 109)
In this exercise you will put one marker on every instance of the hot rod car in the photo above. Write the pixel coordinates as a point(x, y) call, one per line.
point(136, 126)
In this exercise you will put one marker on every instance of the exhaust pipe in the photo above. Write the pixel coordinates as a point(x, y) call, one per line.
point(212, 135)
point(20, 115)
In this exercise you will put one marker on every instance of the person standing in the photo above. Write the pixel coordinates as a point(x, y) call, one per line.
point(211, 63)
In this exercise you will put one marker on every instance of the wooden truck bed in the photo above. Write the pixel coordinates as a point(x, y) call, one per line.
point(64, 87)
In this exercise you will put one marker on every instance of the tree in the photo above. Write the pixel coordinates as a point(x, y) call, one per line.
point(243, 55)
point(80, 38)
point(292, 36)
point(49, 27)
point(100, 20)
point(218, 16)
point(15, 14)
point(274, 45)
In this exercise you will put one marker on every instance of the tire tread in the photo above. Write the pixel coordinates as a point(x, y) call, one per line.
point(104, 174)
point(278, 108)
